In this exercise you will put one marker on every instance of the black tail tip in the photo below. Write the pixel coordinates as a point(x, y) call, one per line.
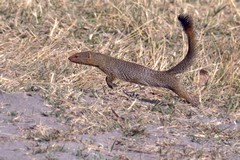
point(186, 20)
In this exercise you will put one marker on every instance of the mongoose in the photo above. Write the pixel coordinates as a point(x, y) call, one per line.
point(135, 73)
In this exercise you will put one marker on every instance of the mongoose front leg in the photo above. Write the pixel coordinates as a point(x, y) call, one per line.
point(109, 80)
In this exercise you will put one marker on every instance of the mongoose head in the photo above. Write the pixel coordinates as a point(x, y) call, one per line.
point(82, 58)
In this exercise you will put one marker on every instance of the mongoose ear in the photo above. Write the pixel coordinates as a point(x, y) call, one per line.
point(89, 56)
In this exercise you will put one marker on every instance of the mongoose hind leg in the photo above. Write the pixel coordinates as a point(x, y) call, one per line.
point(109, 80)
point(181, 92)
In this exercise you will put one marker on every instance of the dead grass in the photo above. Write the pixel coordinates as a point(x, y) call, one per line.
point(38, 36)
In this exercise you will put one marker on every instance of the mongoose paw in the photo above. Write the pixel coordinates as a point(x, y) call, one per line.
point(112, 85)
point(195, 102)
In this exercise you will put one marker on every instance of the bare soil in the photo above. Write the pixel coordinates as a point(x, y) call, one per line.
point(29, 132)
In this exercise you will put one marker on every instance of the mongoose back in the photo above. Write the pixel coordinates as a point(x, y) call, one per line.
point(135, 73)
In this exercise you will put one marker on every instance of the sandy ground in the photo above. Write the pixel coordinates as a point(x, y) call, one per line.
point(27, 132)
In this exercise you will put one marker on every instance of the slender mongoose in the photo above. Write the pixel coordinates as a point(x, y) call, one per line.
point(135, 73)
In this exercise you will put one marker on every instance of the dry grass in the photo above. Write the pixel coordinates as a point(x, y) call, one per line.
point(38, 36)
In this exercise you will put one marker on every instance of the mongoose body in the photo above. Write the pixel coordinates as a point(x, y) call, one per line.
point(135, 73)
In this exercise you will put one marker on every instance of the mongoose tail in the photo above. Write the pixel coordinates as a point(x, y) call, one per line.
point(186, 63)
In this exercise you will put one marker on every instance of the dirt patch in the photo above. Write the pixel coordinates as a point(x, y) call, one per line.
point(28, 131)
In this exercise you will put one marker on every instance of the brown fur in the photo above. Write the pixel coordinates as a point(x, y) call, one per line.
point(135, 73)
